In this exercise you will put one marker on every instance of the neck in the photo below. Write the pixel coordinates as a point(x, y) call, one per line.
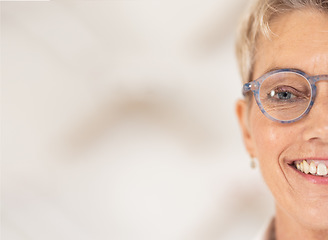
point(287, 228)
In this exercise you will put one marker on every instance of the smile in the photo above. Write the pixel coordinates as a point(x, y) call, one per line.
point(314, 167)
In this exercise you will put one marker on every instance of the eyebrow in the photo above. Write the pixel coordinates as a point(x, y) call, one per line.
point(278, 68)
point(271, 69)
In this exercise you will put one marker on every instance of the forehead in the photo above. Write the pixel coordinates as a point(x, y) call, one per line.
point(299, 40)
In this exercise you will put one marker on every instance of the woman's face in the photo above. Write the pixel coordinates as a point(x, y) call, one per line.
point(300, 41)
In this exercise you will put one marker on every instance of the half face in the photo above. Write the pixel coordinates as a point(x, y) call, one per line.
point(300, 41)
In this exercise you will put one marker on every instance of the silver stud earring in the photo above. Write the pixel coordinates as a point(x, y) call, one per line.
point(253, 163)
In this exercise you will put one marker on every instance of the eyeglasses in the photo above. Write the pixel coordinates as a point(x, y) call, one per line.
point(284, 95)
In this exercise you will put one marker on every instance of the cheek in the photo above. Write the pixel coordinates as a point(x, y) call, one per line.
point(270, 141)
point(270, 138)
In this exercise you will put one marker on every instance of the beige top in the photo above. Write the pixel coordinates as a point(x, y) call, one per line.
point(268, 233)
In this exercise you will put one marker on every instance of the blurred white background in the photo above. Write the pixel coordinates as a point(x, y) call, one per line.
point(118, 122)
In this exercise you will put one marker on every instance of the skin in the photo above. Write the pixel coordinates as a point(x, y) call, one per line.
point(301, 42)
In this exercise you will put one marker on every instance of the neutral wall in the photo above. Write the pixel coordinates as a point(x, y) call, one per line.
point(118, 123)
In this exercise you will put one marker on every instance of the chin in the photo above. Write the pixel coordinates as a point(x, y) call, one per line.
point(314, 217)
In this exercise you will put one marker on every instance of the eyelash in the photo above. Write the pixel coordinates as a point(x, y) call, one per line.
point(281, 89)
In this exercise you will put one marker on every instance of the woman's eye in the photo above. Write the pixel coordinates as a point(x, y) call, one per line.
point(287, 93)
point(283, 95)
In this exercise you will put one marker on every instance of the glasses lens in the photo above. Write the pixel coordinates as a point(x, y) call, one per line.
point(285, 96)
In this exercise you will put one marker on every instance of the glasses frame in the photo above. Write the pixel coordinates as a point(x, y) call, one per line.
point(255, 86)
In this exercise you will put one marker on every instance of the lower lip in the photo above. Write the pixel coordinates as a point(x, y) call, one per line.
point(312, 178)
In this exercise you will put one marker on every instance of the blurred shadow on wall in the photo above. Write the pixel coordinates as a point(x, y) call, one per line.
point(157, 106)
point(151, 106)
point(154, 104)
point(212, 33)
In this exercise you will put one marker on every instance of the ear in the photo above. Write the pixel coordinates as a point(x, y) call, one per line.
point(243, 118)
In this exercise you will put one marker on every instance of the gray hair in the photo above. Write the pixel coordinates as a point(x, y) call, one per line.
point(256, 22)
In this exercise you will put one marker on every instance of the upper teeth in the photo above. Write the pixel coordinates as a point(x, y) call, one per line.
point(309, 166)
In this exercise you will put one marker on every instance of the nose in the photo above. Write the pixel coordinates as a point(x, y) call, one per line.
point(317, 119)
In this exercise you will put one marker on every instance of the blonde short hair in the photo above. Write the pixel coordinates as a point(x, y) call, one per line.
point(256, 22)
